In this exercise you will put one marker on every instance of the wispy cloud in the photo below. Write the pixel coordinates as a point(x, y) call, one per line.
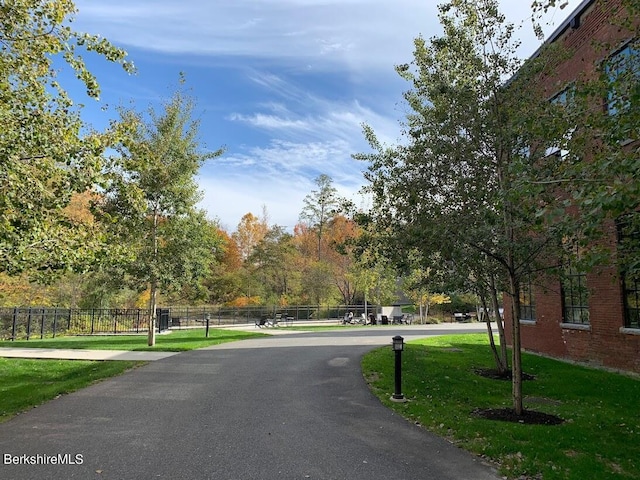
point(322, 33)
point(305, 115)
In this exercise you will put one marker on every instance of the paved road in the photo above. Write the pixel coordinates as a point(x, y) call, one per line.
point(284, 407)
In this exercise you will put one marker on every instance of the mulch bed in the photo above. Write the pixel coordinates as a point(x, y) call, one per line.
point(496, 375)
point(528, 417)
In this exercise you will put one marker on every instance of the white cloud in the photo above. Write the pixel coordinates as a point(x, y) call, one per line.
point(362, 33)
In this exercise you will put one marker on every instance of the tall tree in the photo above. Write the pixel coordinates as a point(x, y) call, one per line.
point(320, 207)
point(342, 234)
point(224, 281)
point(453, 189)
point(250, 231)
point(150, 200)
point(44, 156)
point(273, 262)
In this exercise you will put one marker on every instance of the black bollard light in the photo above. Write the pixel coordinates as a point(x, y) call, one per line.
point(398, 345)
point(208, 319)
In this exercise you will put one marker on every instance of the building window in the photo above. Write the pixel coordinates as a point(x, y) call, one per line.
point(575, 294)
point(631, 302)
point(527, 304)
point(623, 74)
point(564, 100)
point(628, 250)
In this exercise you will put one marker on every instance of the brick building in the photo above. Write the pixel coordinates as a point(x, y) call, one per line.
point(592, 318)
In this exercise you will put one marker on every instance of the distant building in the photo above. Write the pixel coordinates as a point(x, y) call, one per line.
point(592, 318)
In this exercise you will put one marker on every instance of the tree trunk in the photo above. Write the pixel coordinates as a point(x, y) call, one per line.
point(499, 322)
point(496, 356)
point(516, 361)
point(153, 300)
point(151, 341)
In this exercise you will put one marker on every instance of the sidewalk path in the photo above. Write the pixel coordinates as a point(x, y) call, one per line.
point(77, 354)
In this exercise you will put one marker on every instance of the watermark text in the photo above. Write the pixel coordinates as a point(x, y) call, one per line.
point(43, 459)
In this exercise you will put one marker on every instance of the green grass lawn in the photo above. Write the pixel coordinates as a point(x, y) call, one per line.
point(27, 383)
point(600, 436)
point(176, 341)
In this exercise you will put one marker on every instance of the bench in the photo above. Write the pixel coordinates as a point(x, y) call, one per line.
point(261, 322)
point(274, 321)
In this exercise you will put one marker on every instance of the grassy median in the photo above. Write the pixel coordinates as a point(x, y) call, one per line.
point(176, 341)
point(598, 438)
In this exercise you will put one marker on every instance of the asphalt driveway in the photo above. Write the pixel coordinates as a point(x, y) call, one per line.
point(284, 407)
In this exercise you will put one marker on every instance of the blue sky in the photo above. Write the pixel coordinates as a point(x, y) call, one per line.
point(285, 85)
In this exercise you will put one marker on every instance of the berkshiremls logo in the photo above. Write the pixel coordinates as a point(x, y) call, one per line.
point(43, 459)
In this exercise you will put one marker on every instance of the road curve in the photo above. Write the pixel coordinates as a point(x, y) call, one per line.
point(291, 406)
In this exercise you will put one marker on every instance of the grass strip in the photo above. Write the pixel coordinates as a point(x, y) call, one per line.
point(600, 436)
point(26, 383)
point(176, 341)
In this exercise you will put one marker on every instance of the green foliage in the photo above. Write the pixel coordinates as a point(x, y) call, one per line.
point(445, 200)
point(272, 262)
point(150, 197)
point(44, 157)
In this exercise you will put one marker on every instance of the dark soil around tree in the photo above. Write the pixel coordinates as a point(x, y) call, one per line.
point(528, 417)
point(496, 375)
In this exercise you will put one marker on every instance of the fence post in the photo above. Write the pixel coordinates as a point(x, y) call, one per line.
point(115, 322)
point(93, 318)
point(55, 321)
point(29, 324)
point(13, 326)
point(42, 325)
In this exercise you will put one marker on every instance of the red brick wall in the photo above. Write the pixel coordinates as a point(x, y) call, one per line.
point(602, 343)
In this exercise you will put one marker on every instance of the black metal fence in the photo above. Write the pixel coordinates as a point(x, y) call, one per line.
point(27, 323)
point(36, 322)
